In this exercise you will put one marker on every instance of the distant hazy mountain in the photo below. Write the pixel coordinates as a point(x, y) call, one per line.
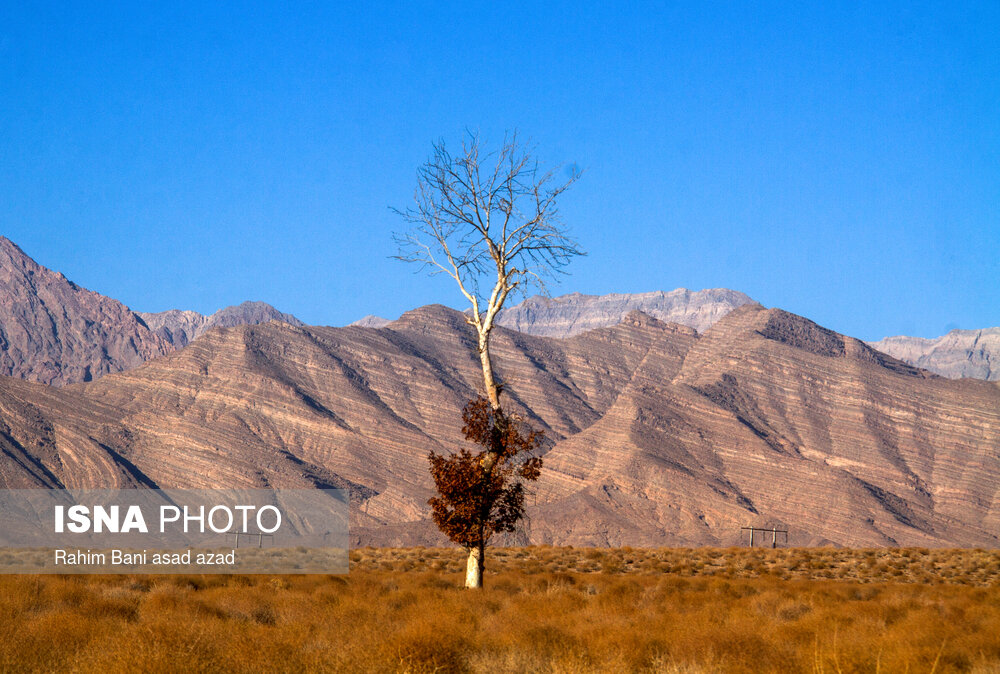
point(179, 328)
point(960, 353)
point(572, 314)
point(55, 332)
point(372, 321)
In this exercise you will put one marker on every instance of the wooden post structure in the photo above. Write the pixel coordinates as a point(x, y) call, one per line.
point(250, 535)
point(774, 531)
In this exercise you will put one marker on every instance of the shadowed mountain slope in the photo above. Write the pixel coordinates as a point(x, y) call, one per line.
point(55, 332)
point(655, 435)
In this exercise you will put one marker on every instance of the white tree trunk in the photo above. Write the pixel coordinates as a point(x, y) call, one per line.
point(492, 390)
point(474, 568)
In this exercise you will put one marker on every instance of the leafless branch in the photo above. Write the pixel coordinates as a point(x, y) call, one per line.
point(489, 220)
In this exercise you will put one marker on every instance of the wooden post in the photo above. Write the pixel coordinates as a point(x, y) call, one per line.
point(774, 534)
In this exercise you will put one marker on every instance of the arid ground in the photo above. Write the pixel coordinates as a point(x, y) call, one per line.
point(543, 610)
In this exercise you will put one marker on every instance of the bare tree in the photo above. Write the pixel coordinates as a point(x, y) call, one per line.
point(489, 220)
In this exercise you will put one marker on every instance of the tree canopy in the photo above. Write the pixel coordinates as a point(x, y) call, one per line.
point(478, 498)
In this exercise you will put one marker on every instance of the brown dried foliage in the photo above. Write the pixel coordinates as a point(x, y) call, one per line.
point(482, 492)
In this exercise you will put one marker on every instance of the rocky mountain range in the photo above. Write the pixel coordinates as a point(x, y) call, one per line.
point(55, 332)
point(178, 328)
point(656, 434)
point(961, 353)
point(573, 314)
point(970, 354)
point(568, 315)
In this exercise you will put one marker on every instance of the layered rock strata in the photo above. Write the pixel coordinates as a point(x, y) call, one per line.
point(655, 435)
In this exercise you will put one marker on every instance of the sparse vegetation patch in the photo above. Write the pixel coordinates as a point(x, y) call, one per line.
point(544, 610)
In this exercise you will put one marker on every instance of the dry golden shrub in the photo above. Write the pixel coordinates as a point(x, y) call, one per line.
point(726, 610)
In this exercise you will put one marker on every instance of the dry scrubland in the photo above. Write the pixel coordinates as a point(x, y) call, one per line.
point(544, 609)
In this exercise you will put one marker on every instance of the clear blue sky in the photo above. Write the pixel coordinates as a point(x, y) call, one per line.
point(838, 161)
